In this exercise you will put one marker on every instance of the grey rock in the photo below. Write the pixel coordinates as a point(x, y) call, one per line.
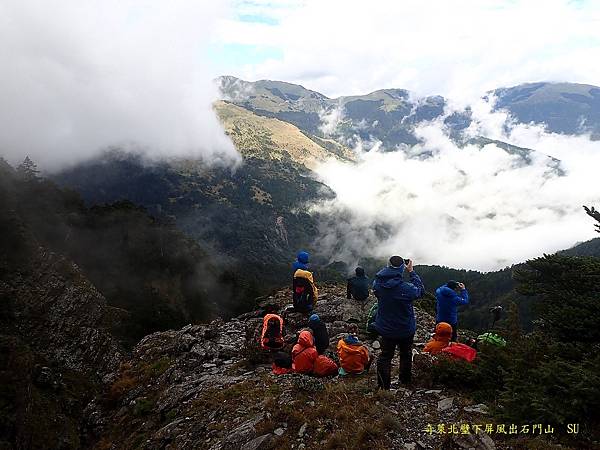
point(433, 391)
point(258, 442)
point(302, 430)
point(279, 431)
point(445, 404)
point(479, 409)
point(480, 441)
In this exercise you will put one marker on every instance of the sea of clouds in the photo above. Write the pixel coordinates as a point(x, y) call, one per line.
point(461, 206)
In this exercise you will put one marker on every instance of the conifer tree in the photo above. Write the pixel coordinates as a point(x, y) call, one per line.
point(28, 170)
point(594, 214)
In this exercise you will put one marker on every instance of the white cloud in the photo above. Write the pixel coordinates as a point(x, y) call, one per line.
point(462, 207)
point(79, 76)
point(458, 49)
point(331, 119)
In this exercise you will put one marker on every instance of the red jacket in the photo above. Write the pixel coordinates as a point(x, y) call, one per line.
point(304, 353)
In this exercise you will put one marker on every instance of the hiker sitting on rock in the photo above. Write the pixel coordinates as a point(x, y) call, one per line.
point(395, 320)
point(357, 287)
point(320, 334)
point(305, 358)
point(441, 338)
point(304, 353)
point(271, 337)
point(282, 363)
point(448, 298)
point(354, 356)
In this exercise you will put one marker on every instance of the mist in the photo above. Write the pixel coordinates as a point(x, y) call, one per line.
point(79, 77)
point(467, 207)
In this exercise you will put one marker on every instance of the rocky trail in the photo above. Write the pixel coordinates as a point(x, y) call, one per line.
point(209, 386)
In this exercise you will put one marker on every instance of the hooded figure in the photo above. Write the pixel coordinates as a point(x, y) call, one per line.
point(304, 291)
point(447, 302)
point(320, 334)
point(395, 314)
point(441, 338)
point(395, 320)
point(301, 261)
point(358, 286)
point(271, 337)
point(354, 357)
point(304, 353)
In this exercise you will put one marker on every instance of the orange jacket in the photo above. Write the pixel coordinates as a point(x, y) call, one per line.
point(264, 330)
point(325, 366)
point(441, 338)
point(353, 357)
point(304, 353)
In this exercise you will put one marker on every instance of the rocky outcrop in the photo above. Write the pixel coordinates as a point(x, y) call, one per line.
point(209, 386)
point(56, 349)
point(60, 313)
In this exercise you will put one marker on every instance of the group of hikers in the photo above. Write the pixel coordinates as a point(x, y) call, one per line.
point(392, 320)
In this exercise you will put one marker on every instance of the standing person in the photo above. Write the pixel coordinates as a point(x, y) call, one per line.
point(448, 298)
point(358, 286)
point(395, 320)
point(304, 291)
point(320, 334)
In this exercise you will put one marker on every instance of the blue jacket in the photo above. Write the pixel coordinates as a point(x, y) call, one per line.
point(301, 261)
point(447, 301)
point(395, 315)
point(298, 265)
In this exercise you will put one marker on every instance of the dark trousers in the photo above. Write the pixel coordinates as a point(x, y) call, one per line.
point(454, 330)
point(384, 362)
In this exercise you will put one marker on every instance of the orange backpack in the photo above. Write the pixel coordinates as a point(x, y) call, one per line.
point(325, 366)
point(271, 337)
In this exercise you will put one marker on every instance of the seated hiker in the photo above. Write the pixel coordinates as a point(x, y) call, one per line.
point(282, 363)
point(271, 337)
point(357, 287)
point(304, 291)
point(301, 261)
point(320, 334)
point(448, 297)
point(325, 367)
point(354, 357)
point(441, 338)
point(304, 353)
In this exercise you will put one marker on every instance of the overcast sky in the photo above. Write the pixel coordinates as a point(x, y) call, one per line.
point(458, 48)
point(80, 76)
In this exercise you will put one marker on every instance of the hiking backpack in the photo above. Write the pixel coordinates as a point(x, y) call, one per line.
point(457, 350)
point(303, 295)
point(272, 337)
point(371, 318)
point(491, 338)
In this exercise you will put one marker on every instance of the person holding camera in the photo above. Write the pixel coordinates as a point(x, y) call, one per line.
point(448, 298)
point(395, 320)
